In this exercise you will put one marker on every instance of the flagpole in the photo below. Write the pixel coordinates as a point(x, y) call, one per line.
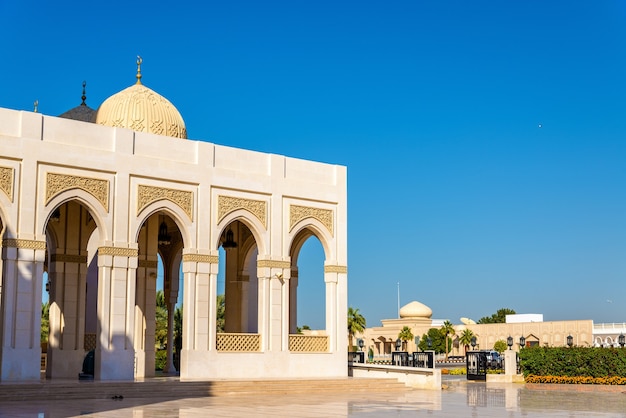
point(398, 300)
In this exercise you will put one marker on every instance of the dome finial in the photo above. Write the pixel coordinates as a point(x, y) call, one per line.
point(36, 106)
point(83, 96)
point(139, 61)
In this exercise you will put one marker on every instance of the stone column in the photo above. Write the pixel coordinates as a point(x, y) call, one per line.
point(115, 354)
point(293, 301)
point(66, 345)
point(20, 309)
point(335, 277)
point(286, 307)
point(199, 310)
point(331, 310)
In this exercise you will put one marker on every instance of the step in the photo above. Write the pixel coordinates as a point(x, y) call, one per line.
point(158, 388)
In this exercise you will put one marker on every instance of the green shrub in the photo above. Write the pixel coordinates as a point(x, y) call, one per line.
point(596, 362)
point(160, 359)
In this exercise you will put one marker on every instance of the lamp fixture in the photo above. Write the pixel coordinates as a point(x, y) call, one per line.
point(621, 340)
point(522, 342)
point(509, 342)
point(56, 215)
point(164, 237)
point(230, 241)
point(570, 341)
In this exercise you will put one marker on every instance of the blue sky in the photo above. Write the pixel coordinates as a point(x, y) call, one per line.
point(485, 141)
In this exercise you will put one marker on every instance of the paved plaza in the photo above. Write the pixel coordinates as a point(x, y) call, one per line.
point(458, 399)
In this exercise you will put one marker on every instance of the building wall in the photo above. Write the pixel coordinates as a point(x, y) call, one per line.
point(550, 333)
point(122, 178)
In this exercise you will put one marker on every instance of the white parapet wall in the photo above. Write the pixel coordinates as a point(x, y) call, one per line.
point(415, 377)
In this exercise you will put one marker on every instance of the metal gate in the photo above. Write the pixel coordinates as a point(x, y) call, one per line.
point(476, 365)
point(423, 359)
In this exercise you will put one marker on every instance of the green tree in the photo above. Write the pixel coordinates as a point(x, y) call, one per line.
point(438, 343)
point(500, 346)
point(405, 335)
point(45, 321)
point(221, 313)
point(160, 332)
point(356, 323)
point(178, 335)
point(447, 329)
point(466, 338)
point(497, 318)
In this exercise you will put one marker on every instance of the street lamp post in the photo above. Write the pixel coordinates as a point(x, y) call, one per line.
point(621, 340)
point(570, 341)
point(509, 342)
point(473, 342)
point(522, 342)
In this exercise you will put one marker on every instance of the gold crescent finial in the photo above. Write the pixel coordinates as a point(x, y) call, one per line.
point(36, 105)
point(139, 61)
point(83, 96)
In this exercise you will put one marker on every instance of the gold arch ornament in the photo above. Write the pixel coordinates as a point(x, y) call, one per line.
point(149, 194)
point(57, 183)
point(227, 204)
point(298, 213)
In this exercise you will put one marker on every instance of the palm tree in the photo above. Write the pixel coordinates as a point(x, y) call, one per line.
point(356, 323)
point(466, 338)
point(221, 313)
point(447, 329)
point(405, 335)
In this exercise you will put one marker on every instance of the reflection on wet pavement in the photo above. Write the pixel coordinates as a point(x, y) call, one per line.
point(459, 399)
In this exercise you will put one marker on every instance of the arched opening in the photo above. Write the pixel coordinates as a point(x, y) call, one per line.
point(237, 281)
point(307, 288)
point(70, 288)
point(158, 309)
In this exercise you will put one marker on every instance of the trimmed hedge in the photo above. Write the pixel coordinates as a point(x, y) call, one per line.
point(554, 363)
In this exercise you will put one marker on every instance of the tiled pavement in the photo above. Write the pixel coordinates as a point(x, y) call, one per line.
point(458, 399)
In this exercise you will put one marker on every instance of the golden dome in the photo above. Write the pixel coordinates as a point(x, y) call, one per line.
point(141, 109)
point(415, 310)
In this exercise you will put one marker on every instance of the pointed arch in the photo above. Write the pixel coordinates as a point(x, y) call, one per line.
point(175, 212)
point(245, 217)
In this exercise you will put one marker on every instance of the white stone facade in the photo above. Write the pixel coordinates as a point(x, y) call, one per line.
point(85, 203)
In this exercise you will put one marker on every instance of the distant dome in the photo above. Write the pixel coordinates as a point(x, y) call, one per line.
point(415, 310)
point(81, 112)
point(141, 109)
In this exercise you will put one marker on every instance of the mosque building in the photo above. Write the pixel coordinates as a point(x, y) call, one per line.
point(92, 199)
point(526, 330)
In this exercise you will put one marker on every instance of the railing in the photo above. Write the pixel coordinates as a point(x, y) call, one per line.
point(615, 327)
point(89, 342)
point(236, 342)
point(308, 343)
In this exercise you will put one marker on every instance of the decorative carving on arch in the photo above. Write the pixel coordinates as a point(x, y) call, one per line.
point(57, 183)
point(298, 213)
point(148, 194)
point(201, 258)
point(336, 269)
point(6, 181)
point(227, 204)
point(68, 258)
point(27, 244)
point(118, 251)
point(147, 264)
point(277, 264)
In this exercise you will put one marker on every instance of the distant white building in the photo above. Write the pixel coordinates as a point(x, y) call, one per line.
point(519, 318)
